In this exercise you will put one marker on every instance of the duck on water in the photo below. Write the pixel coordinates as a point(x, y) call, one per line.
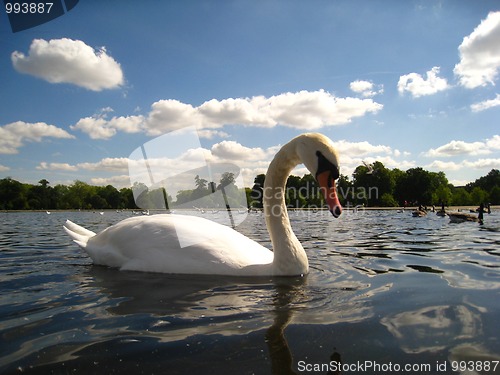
point(461, 217)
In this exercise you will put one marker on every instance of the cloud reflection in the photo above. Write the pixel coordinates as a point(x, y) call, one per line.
point(432, 328)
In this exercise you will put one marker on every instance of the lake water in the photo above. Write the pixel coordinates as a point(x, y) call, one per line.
point(386, 292)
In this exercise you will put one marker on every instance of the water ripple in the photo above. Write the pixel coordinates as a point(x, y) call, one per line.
point(379, 279)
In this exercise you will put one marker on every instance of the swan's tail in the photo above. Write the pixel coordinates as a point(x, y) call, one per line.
point(79, 234)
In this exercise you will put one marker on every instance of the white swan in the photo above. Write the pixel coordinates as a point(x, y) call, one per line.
point(152, 243)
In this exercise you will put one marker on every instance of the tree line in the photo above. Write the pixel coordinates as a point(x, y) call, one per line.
point(375, 185)
point(417, 186)
point(371, 185)
point(15, 195)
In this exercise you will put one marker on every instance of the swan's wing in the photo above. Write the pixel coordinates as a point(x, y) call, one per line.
point(152, 243)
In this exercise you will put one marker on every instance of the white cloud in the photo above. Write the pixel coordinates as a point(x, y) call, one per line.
point(360, 148)
point(106, 164)
point(365, 88)
point(116, 181)
point(455, 148)
point(169, 115)
point(245, 111)
point(14, 135)
point(69, 61)
point(484, 164)
point(56, 166)
point(99, 127)
point(417, 86)
point(493, 143)
point(127, 124)
point(4, 168)
point(96, 128)
point(209, 134)
point(439, 165)
point(457, 182)
point(480, 54)
point(390, 162)
point(314, 110)
point(306, 110)
point(487, 104)
point(361, 86)
point(230, 150)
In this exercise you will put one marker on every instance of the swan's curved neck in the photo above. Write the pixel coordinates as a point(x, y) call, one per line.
point(289, 255)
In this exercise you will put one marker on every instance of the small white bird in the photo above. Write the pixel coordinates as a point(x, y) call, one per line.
point(369, 166)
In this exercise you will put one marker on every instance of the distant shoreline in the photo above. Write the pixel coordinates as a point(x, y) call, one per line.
point(408, 208)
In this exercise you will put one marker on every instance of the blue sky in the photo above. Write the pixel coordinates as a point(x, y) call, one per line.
point(408, 83)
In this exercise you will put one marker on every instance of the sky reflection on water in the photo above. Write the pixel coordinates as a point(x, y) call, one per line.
point(383, 286)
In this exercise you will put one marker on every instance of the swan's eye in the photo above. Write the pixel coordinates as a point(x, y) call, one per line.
point(325, 165)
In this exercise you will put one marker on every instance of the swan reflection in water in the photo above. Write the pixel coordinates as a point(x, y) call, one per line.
point(178, 311)
point(242, 325)
point(282, 361)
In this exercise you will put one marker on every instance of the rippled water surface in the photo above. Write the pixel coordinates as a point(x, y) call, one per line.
point(384, 288)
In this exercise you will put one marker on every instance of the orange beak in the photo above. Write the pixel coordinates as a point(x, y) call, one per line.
point(327, 184)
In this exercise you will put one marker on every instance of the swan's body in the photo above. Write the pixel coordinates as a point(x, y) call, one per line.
point(153, 244)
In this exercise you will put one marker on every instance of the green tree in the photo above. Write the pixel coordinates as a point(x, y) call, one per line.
point(13, 195)
point(461, 197)
point(111, 196)
point(415, 187)
point(387, 200)
point(95, 201)
point(79, 194)
point(495, 195)
point(257, 191)
point(372, 182)
point(59, 197)
point(442, 194)
point(478, 196)
point(487, 182)
point(439, 188)
point(127, 198)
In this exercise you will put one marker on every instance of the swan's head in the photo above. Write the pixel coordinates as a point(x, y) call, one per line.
point(318, 154)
